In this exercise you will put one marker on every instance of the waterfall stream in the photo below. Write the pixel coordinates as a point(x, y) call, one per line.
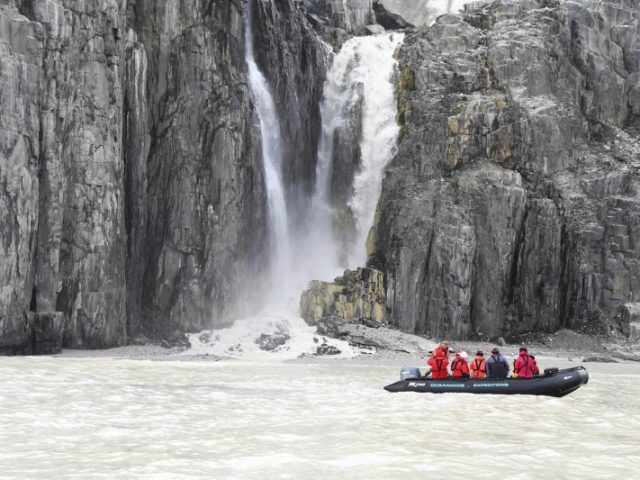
point(280, 264)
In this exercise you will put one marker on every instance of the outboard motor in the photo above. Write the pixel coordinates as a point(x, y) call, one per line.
point(408, 373)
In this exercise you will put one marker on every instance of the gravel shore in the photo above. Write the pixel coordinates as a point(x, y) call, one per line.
point(562, 349)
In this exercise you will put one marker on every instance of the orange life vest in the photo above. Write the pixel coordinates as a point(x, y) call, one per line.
point(459, 367)
point(438, 367)
point(478, 367)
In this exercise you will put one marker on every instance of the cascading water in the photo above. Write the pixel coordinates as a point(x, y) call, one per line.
point(380, 131)
point(364, 67)
point(361, 72)
point(280, 266)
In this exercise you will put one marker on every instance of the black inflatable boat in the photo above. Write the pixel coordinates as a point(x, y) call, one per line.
point(554, 382)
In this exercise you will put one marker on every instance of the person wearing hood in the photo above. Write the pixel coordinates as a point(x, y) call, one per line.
point(438, 363)
point(497, 365)
point(459, 366)
point(525, 366)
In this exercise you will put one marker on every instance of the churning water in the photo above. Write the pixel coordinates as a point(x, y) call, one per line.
point(126, 419)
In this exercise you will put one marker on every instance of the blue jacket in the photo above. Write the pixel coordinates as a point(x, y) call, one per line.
point(497, 367)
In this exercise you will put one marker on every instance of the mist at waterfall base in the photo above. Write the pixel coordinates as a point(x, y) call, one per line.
point(362, 71)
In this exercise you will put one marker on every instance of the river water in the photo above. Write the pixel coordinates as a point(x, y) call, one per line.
point(101, 418)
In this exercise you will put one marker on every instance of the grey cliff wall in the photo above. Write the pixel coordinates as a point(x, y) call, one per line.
point(513, 202)
point(132, 199)
point(200, 189)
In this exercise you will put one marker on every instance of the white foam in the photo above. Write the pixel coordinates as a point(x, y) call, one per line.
point(242, 339)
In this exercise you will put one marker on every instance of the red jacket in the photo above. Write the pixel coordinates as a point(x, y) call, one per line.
point(438, 366)
point(459, 367)
point(525, 366)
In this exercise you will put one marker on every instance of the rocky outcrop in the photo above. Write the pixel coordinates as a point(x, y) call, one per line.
point(357, 295)
point(630, 313)
point(350, 16)
point(513, 204)
point(386, 16)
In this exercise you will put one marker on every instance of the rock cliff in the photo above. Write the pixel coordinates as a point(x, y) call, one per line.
point(513, 202)
point(132, 199)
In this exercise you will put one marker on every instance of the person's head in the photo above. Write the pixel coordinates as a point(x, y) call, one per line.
point(495, 351)
point(464, 355)
point(523, 350)
point(444, 344)
point(439, 354)
point(480, 353)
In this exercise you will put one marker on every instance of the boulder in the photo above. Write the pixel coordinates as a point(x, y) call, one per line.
point(388, 19)
point(270, 342)
point(374, 29)
point(356, 295)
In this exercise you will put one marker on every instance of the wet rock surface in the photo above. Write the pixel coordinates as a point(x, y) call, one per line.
point(269, 343)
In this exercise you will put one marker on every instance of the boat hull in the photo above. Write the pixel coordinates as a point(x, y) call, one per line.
point(556, 385)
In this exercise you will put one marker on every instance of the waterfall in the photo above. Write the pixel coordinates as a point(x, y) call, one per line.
point(380, 131)
point(280, 259)
point(361, 72)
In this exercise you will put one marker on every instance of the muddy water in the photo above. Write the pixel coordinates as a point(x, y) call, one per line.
point(117, 419)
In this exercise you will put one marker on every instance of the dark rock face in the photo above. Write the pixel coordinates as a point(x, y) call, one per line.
point(201, 189)
point(132, 199)
point(346, 16)
point(513, 204)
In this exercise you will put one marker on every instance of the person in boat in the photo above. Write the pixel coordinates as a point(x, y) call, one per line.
point(536, 369)
point(444, 347)
point(497, 365)
point(438, 363)
point(525, 366)
point(478, 365)
point(459, 366)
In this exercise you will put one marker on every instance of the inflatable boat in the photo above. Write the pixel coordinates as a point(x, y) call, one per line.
point(554, 382)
